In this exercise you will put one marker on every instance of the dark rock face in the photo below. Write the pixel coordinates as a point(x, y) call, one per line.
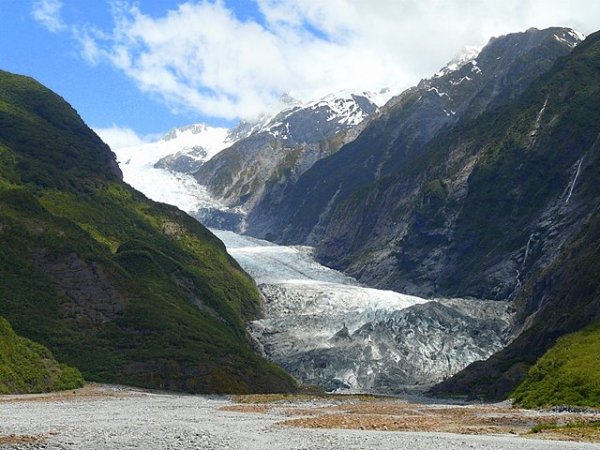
point(93, 298)
point(375, 210)
point(188, 160)
point(272, 157)
point(220, 219)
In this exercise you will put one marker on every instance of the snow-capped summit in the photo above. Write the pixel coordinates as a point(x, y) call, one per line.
point(211, 139)
point(346, 108)
point(349, 108)
point(277, 151)
point(190, 146)
point(317, 120)
point(308, 131)
point(199, 142)
point(468, 55)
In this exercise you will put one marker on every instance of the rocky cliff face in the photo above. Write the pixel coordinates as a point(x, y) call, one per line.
point(270, 159)
point(559, 246)
point(463, 90)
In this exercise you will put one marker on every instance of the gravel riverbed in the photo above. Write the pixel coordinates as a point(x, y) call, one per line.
point(106, 417)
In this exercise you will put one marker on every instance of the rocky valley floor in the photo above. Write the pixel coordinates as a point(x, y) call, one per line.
point(109, 417)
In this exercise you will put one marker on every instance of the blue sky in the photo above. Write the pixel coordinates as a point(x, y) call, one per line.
point(139, 68)
point(102, 95)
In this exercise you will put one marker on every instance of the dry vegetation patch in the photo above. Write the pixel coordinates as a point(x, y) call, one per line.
point(23, 439)
point(392, 414)
point(90, 391)
point(246, 408)
point(586, 430)
point(295, 398)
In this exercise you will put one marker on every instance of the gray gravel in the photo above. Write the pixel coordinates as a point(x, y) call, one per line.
point(170, 421)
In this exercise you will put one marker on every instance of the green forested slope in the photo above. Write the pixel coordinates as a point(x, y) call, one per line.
point(123, 288)
point(27, 367)
point(567, 374)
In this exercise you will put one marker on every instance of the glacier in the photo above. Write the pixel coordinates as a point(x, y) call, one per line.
point(138, 166)
point(327, 330)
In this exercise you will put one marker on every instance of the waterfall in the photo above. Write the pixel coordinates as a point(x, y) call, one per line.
point(574, 181)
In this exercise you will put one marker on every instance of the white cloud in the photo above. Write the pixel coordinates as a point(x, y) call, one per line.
point(200, 57)
point(47, 13)
point(119, 137)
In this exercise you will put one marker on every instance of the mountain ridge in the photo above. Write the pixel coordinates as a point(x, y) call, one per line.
point(271, 158)
point(406, 124)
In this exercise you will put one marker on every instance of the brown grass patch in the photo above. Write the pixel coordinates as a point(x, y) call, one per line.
point(246, 408)
point(90, 391)
point(305, 411)
point(387, 414)
point(281, 398)
point(406, 419)
point(573, 435)
point(586, 430)
point(22, 439)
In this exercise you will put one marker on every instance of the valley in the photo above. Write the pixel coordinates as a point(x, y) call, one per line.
point(323, 326)
point(454, 214)
point(431, 236)
point(299, 225)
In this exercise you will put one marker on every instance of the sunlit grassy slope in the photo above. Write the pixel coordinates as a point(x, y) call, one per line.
point(125, 289)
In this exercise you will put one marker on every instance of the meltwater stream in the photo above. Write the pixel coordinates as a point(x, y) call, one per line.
point(327, 330)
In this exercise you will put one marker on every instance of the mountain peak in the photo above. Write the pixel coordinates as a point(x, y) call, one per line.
point(468, 55)
point(569, 36)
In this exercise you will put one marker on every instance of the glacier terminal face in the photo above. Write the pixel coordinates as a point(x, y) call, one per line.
point(327, 330)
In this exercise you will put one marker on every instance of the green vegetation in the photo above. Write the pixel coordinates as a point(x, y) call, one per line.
point(580, 431)
point(435, 189)
point(568, 374)
point(592, 425)
point(27, 367)
point(125, 289)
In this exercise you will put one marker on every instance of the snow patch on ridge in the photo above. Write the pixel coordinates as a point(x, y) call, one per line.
point(344, 108)
point(570, 38)
point(468, 55)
